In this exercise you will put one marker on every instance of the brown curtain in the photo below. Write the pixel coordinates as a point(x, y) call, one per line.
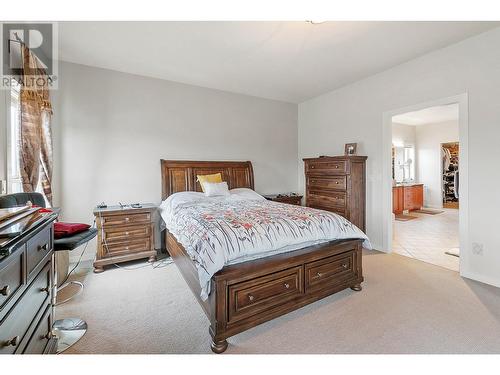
point(36, 136)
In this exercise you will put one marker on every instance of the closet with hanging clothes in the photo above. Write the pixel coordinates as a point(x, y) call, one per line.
point(451, 186)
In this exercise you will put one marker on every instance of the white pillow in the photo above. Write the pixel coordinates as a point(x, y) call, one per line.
point(214, 189)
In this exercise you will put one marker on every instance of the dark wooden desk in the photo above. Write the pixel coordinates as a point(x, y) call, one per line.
point(26, 286)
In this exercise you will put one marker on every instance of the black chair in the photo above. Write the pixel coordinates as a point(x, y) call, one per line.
point(68, 330)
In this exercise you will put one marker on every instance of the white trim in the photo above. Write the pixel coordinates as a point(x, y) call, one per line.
point(480, 278)
point(463, 104)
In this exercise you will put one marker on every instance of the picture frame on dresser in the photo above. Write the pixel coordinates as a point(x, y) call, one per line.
point(350, 149)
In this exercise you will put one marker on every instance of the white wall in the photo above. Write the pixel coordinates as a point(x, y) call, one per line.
point(354, 114)
point(403, 135)
point(429, 171)
point(111, 129)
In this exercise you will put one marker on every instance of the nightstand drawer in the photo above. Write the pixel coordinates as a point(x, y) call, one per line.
point(125, 219)
point(132, 246)
point(121, 234)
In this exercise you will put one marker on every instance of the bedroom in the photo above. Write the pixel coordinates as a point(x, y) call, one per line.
point(146, 124)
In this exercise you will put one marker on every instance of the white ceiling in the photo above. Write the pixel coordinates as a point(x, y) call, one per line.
point(429, 115)
point(288, 61)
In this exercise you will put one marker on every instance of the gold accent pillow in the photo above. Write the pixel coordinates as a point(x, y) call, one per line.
point(216, 177)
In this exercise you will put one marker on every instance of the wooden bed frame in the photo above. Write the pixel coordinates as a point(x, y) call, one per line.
point(247, 294)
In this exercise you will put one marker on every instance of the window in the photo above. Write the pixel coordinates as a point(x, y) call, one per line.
point(403, 167)
point(14, 184)
point(409, 163)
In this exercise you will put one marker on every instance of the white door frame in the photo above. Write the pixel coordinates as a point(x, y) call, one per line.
point(463, 120)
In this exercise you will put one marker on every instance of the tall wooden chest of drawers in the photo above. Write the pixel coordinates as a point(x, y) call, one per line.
point(124, 234)
point(338, 184)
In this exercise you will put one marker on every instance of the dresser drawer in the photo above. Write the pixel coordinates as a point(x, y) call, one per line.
point(122, 234)
point(12, 277)
point(41, 336)
point(250, 297)
point(112, 220)
point(326, 167)
point(132, 246)
point(331, 183)
point(337, 199)
point(19, 319)
point(330, 271)
point(37, 248)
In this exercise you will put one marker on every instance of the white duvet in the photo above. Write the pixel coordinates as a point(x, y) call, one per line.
point(217, 231)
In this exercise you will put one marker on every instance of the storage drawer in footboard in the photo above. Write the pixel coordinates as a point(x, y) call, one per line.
point(329, 272)
point(254, 296)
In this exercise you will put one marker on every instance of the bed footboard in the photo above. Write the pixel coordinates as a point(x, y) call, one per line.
point(247, 294)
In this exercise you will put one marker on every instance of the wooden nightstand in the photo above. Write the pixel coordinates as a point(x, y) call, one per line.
point(124, 234)
point(285, 198)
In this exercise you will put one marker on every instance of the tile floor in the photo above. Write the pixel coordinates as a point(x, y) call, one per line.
point(428, 237)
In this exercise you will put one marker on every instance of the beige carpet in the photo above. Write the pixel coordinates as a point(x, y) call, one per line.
point(406, 306)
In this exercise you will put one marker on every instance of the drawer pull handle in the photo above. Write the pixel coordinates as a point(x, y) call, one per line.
point(46, 289)
point(345, 265)
point(336, 182)
point(5, 291)
point(318, 274)
point(126, 247)
point(127, 219)
point(336, 167)
point(251, 298)
point(126, 233)
point(49, 336)
point(12, 342)
point(287, 286)
point(42, 247)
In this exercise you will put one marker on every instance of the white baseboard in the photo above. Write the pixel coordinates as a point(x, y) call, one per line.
point(481, 278)
point(378, 247)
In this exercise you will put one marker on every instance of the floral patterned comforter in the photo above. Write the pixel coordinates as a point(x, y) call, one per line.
point(216, 233)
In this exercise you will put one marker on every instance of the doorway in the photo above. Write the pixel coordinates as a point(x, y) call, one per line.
point(425, 187)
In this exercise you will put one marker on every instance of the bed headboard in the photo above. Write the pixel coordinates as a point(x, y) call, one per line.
point(180, 175)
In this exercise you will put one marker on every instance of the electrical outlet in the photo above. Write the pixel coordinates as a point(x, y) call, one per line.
point(477, 248)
